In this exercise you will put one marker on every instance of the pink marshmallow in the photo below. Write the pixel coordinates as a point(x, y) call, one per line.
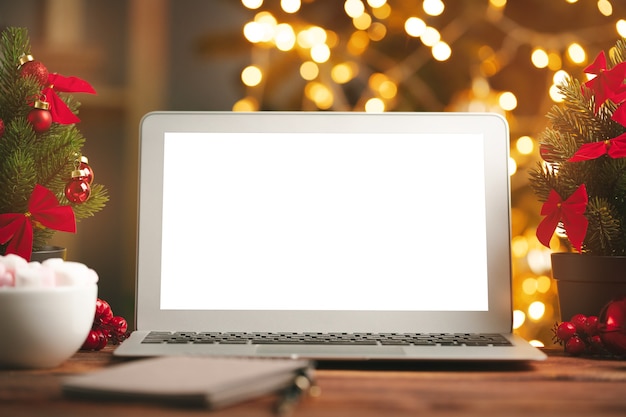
point(12, 262)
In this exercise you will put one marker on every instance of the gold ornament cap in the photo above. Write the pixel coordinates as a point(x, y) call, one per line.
point(42, 105)
point(24, 59)
point(84, 159)
point(78, 173)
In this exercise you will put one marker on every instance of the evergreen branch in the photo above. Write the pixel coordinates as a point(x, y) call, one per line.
point(559, 146)
point(604, 229)
point(15, 91)
point(617, 54)
point(542, 181)
point(41, 237)
point(17, 182)
point(56, 155)
point(96, 202)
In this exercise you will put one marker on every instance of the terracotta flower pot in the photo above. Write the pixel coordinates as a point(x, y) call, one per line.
point(587, 283)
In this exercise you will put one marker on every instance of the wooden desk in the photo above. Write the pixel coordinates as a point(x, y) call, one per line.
point(560, 386)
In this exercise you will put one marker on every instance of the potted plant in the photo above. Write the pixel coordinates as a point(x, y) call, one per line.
point(46, 183)
point(582, 185)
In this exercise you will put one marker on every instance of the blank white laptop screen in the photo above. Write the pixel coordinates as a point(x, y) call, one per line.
point(333, 221)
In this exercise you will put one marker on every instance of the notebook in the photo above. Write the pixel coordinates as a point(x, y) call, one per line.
point(325, 235)
point(190, 381)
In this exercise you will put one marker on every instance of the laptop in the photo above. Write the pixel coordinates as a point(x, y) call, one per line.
point(325, 235)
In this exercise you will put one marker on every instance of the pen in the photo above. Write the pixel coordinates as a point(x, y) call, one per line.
point(302, 384)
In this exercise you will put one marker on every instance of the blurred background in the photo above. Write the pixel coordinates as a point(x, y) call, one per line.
point(315, 55)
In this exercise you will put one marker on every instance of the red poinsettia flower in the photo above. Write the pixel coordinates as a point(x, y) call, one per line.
point(569, 212)
point(58, 109)
point(607, 84)
point(615, 148)
point(16, 229)
point(619, 115)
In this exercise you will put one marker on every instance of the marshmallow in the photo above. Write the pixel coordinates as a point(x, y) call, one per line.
point(17, 272)
point(7, 279)
point(34, 275)
point(68, 273)
point(12, 262)
point(91, 276)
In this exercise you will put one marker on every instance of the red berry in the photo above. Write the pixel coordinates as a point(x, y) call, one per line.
point(565, 331)
point(103, 340)
point(591, 326)
point(579, 320)
point(93, 340)
point(596, 343)
point(103, 311)
point(119, 325)
point(575, 346)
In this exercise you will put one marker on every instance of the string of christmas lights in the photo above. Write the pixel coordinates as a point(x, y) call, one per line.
point(386, 55)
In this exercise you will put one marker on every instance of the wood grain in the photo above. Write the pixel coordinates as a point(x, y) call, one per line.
point(559, 386)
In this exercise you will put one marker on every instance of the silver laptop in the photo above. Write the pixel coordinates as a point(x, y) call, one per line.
point(325, 235)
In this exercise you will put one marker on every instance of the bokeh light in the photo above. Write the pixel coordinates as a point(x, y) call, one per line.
point(380, 55)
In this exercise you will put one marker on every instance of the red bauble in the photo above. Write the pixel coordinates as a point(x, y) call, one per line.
point(1, 128)
point(612, 326)
point(78, 189)
point(39, 117)
point(31, 68)
point(84, 166)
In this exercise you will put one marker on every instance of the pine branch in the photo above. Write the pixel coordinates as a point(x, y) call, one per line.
point(542, 181)
point(617, 54)
point(14, 89)
point(18, 175)
point(604, 231)
point(96, 202)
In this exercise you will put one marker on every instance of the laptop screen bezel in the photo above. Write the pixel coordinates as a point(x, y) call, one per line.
point(493, 127)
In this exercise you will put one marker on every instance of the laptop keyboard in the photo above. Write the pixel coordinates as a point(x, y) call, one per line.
point(402, 339)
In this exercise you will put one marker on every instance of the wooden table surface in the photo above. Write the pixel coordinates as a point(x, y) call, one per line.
point(559, 386)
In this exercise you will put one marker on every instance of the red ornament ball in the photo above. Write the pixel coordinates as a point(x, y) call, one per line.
point(36, 70)
point(40, 119)
point(612, 326)
point(77, 190)
point(84, 166)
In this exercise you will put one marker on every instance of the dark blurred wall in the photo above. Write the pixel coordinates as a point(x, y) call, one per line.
point(108, 55)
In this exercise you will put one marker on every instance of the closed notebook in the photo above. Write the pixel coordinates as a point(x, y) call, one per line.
point(202, 381)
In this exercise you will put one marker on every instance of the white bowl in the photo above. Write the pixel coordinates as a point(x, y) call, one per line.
point(42, 327)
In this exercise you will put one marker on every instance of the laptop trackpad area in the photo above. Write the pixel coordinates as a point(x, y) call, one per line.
point(332, 351)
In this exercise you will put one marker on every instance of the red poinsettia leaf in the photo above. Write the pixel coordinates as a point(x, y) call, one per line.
point(9, 225)
point(617, 149)
point(577, 202)
point(619, 115)
point(546, 228)
point(17, 230)
point(44, 207)
point(69, 84)
point(576, 228)
point(598, 65)
point(589, 151)
point(58, 109)
point(608, 84)
point(570, 212)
